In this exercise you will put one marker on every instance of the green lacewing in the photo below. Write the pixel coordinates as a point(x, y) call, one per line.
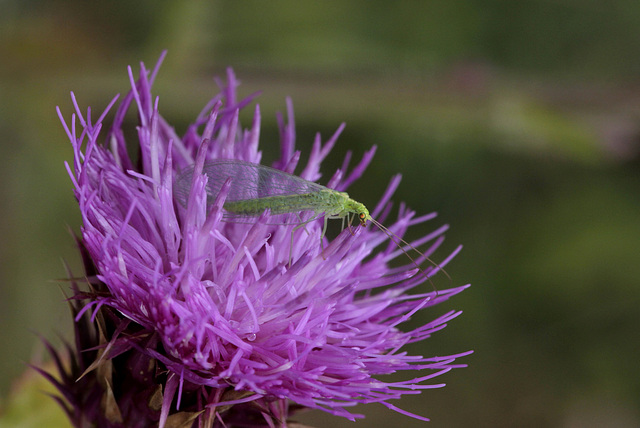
point(291, 200)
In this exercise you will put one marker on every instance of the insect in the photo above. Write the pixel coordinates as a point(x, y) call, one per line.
point(256, 188)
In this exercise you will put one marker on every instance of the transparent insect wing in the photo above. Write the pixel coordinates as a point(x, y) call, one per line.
point(248, 181)
point(252, 181)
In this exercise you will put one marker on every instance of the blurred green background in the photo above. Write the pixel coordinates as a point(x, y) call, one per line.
point(517, 121)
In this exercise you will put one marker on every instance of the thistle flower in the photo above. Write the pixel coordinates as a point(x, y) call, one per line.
point(197, 321)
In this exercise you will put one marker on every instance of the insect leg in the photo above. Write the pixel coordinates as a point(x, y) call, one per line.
point(324, 231)
point(302, 225)
point(350, 220)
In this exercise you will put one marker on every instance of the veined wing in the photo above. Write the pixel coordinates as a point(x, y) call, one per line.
point(248, 181)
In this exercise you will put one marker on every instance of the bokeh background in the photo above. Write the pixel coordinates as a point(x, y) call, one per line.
point(519, 122)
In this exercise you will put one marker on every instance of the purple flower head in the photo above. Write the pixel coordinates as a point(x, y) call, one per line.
point(207, 317)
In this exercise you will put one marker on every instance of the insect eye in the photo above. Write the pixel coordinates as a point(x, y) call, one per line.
point(362, 216)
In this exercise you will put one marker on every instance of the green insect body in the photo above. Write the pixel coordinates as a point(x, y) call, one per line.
point(256, 188)
point(331, 203)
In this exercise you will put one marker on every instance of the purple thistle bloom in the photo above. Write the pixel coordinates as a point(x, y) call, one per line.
point(203, 319)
